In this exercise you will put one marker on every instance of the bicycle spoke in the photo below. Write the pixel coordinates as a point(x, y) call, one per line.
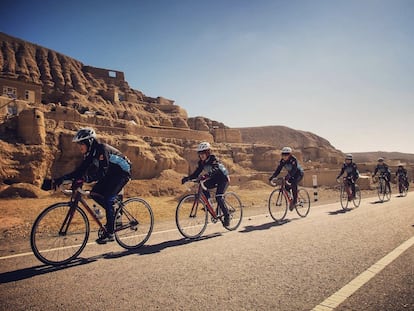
point(235, 208)
point(53, 246)
point(303, 204)
point(134, 222)
point(277, 205)
point(191, 217)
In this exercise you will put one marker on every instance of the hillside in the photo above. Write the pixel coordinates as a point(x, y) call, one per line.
point(154, 132)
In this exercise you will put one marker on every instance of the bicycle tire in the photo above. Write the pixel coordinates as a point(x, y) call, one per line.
point(303, 205)
point(381, 189)
point(191, 217)
point(53, 248)
point(134, 222)
point(344, 197)
point(357, 199)
point(235, 208)
point(402, 189)
point(387, 194)
point(277, 205)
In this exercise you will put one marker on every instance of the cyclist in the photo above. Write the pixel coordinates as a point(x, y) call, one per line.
point(216, 176)
point(104, 164)
point(352, 174)
point(294, 175)
point(401, 175)
point(384, 171)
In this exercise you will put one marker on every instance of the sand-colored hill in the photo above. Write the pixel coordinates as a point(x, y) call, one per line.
point(55, 95)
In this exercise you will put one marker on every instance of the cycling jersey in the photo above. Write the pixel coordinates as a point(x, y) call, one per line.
point(383, 170)
point(212, 166)
point(291, 165)
point(350, 169)
point(99, 161)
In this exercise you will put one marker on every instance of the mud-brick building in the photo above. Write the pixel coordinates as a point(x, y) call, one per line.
point(21, 90)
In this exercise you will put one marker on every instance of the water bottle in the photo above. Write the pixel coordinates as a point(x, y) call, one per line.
point(97, 211)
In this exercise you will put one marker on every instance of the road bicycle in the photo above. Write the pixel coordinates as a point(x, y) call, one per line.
point(346, 194)
point(383, 189)
point(192, 212)
point(402, 185)
point(281, 199)
point(61, 231)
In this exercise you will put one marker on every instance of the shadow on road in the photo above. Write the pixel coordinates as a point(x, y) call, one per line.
point(156, 248)
point(265, 226)
point(27, 273)
point(379, 201)
point(340, 211)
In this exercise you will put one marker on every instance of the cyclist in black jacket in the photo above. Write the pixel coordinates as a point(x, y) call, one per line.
point(401, 175)
point(216, 176)
point(384, 171)
point(294, 175)
point(107, 166)
point(352, 174)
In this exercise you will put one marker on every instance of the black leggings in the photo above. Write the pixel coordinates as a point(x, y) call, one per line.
point(105, 191)
point(221, 182)
point(294, 180)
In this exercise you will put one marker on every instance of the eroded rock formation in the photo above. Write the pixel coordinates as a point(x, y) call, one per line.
point(155, 133)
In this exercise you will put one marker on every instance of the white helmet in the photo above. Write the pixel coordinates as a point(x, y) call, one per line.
point(203, 146)
point(83, 134)
point(348, 156)
point(286, 150)
point(381, 159)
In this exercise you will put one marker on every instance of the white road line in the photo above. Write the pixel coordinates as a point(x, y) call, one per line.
point(341, 295)
point(90, 243)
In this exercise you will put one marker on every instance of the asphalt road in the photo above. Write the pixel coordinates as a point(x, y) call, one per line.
point(262, 266)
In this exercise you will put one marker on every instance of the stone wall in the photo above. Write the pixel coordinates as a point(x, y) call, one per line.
point(225, 135)
point(31, 127)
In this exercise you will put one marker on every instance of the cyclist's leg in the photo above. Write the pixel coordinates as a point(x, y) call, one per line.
point(221, 185)
point(352, 184)
point(105, 192)
point(294, 185)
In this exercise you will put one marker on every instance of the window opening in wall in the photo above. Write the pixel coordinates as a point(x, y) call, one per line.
point(10, 91)
point(112, 74)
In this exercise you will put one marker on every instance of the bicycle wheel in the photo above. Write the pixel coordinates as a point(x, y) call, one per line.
point(381, 189)
point(303, 204)
point(134, 222)
point(357, 199)
point(235, 208)
point(59, 234)
point(344, 197)
point(277, 205)
point(404, 190)
point(191, 217)
point(387, 194)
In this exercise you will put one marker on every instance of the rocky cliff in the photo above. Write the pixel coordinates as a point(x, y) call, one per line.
point(155, 133)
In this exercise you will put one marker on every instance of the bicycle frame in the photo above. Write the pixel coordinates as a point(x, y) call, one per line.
point(200, 194)
point(287, 194)
point(347, 186)
point(76, 197)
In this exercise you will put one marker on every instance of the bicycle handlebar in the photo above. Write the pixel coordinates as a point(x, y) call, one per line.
point(201, 182)
point(69, 192)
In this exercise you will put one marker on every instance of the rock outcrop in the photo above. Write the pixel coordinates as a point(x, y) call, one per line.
point(155, 133)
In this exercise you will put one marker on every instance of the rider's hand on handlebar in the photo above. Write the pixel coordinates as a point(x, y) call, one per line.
point(57, 182)
point(201, 178)
point(184, 180)
point(77, 184)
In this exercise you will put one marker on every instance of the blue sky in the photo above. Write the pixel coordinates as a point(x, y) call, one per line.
point(343, 70)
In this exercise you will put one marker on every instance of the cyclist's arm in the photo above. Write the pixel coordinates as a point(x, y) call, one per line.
point(341, 172)
point(197, 171)
point(278, 169)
